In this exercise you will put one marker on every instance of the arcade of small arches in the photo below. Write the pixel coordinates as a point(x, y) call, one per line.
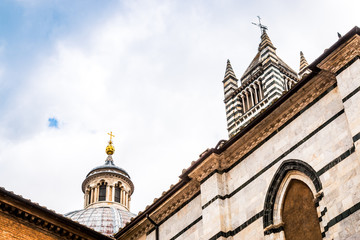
point(254, 94)
point(250, 96)
point(105, 192)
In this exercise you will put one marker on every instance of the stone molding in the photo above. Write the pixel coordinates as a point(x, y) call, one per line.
point(48, 221)
point(342, 55)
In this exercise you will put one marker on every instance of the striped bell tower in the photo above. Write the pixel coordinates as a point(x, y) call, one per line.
point(266, 79)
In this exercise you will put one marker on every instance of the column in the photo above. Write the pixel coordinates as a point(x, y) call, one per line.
point(126, 199)
point(97, 193)
point(247, 100)
point(86, 198)
point(243, 102)
point(91, 196)
point(252, 97)
point(260, 88)
point(122, 195)
point(106, 192)
point(110, 194)
point(256, 95)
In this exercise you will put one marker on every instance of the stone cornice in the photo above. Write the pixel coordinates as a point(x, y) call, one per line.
point(48, 221)
point(341, 43)
point(209, 165)
point(342, 55)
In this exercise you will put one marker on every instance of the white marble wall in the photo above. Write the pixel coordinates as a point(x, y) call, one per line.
point(341, 183)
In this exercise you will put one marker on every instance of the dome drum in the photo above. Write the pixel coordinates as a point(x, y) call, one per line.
point(111, 177)
point(107, 188)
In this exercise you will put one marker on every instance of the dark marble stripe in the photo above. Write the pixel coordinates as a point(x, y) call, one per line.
point(341, 217)
point(238, 229)
point(323, 212)
point(277, 159)
point(272, 134)
point(336, 160)
point(351, 94)
point(187, 228)
point(173, 213)
point(356, 137)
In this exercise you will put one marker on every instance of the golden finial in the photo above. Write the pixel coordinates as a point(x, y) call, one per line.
point(110, 148)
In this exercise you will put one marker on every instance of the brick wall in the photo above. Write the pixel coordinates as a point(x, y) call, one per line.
point(14, 228)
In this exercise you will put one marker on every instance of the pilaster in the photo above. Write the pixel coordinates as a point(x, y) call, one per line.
point(349, 89)
point(215, 209)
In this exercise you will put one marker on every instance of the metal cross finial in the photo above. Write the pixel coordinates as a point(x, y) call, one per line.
point(263, 28)
point(111, 136)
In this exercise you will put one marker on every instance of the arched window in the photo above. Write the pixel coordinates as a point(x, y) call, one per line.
point(299, 213)
point(102, 192)
point(117, 194)
point(89, 197)
point(289, 209)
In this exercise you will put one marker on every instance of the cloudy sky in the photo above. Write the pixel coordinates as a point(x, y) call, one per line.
point(150, 71)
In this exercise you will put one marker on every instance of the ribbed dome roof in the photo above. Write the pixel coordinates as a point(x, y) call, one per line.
point(107, 220)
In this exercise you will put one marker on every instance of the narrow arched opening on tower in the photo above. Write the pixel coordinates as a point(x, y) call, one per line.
point(299, 213)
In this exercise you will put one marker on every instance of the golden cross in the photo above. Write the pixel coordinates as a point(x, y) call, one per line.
point(111, 135)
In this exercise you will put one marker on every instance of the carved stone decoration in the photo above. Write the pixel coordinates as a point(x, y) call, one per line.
point(336, 60)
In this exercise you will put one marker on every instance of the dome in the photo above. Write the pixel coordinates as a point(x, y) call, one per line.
point(107, 194)
point(106, 219)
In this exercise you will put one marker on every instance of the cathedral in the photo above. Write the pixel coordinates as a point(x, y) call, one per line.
point(289, 170)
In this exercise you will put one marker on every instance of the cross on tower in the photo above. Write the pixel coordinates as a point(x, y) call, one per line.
point(111, 135)
point(263, 28)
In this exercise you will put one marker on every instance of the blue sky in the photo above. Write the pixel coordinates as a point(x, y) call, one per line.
point(28, 30)
point(150, 71)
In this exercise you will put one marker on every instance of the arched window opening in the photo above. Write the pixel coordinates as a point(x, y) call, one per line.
point(299, 213)
point(289, 84)
point(117, 194)
point(102, 192)
point(89, 197)
point(280, 188)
